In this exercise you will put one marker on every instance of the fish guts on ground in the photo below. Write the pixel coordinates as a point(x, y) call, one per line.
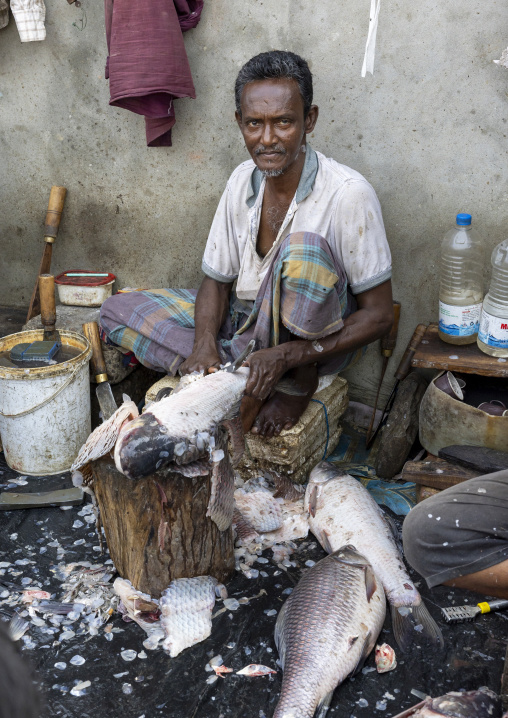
point(142, 609)
point(186, 608)
point(482, 703)
point(342, 511)
point(325, 630)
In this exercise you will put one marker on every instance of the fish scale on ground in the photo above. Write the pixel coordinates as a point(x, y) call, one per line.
point(342, 511)
point(325, 630)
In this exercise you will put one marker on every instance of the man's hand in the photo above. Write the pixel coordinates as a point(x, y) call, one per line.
point(203, 358)
point(267, 367)
point(210, 312)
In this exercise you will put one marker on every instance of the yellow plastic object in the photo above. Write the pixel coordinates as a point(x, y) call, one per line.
point(484, 607)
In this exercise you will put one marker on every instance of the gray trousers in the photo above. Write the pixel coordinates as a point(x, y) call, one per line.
point(459, 531)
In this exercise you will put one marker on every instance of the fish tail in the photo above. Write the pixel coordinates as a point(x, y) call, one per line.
point(406, 623)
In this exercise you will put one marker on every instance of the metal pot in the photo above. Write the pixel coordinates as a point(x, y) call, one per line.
point(445, 421)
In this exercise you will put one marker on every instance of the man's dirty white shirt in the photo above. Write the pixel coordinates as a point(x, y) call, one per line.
point(331, 200)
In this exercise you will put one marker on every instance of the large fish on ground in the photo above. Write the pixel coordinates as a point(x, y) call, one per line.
point(342, 511)
point(482, 703)
point(325, 630)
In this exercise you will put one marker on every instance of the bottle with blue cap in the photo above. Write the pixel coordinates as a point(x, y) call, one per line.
point(493, 334)
point(461, 286)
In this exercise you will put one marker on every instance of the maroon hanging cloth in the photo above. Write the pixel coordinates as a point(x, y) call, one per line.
point(147, 65)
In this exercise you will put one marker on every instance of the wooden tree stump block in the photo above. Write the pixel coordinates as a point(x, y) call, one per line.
point(146, 551)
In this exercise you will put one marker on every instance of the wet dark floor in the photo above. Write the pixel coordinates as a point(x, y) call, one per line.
point(160, 686)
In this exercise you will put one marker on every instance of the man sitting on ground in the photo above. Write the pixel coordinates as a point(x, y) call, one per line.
point(459, 537)
point(303, 238)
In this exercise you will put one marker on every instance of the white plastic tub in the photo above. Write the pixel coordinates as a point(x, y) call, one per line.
point(84, 291)
point(45, 411)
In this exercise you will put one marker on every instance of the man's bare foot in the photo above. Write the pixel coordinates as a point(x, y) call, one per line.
point(248, 411)
point(282, 411)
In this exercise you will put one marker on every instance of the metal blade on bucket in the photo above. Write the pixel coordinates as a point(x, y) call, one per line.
point(103, 391)
point(106, 400)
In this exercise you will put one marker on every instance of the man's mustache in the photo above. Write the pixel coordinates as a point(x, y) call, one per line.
point(263, 150)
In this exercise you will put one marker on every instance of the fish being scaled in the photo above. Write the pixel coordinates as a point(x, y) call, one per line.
point(325, 630)
point(341, 511)
point(482, 703)
point(186, 607)
point(181, 428)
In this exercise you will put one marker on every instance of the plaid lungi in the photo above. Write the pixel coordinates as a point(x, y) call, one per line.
point(304, 294)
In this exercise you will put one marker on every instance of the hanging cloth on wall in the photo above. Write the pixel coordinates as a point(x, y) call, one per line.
point(147, 65)
point(29, 16)
point(370, 46)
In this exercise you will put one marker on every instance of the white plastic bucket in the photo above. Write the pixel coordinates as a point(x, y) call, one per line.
point(45, 411)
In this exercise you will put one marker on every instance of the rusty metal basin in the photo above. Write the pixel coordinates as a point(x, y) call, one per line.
point(445, 421)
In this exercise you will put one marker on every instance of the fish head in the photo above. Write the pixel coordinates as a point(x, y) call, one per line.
point(482, 703)
point(324, 472)
point(143, 447)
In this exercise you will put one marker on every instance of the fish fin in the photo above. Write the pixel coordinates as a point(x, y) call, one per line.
point(194, 468)
point(234, 412)
point(279, 637)
point(370, 582)
point(237, 438)
point(367, 647)
point(221, 505)
point(324, 704)
point(351, 641)
point(289, 386)
point(404, 623)
point(313, 501)
point(325, 542)
point(164, 392)
point(393, 529)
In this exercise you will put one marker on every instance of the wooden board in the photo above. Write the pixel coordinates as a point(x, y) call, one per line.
point(436, 474)
point(478, 458)
point(131, 513)
point(433, 353)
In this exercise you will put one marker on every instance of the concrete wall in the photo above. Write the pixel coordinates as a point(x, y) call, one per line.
point(428, 131)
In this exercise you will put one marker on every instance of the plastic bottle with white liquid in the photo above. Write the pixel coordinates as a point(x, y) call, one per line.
point(493, 334)
point(461, 286)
